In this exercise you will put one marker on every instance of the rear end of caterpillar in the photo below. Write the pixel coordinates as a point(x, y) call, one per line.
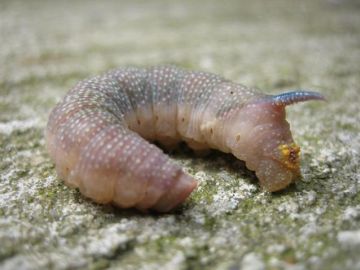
point(98, 135)
point(260, 135)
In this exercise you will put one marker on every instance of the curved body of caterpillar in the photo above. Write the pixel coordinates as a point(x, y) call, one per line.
point(98, 134)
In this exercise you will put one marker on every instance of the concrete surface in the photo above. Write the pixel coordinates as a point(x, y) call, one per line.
point(228, 223)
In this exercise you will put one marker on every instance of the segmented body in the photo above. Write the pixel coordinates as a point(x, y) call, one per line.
point(99, 134)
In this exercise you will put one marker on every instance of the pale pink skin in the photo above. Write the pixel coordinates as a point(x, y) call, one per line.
point(254, 135)
point(260, 127)
point(111, 160)
point(105, 179)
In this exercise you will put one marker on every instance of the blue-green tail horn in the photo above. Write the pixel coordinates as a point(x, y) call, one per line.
point(296, 96)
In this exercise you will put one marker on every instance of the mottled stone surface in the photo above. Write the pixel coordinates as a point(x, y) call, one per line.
point(228, 223)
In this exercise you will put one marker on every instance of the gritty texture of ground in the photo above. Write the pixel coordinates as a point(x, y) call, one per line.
point(228, 222)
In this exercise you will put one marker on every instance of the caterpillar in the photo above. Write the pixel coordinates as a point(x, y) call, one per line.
point(99, 136)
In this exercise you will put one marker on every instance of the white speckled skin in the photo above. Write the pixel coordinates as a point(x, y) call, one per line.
point(98, 134)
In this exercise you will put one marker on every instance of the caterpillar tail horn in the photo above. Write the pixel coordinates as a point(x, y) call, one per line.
point(295, 96)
